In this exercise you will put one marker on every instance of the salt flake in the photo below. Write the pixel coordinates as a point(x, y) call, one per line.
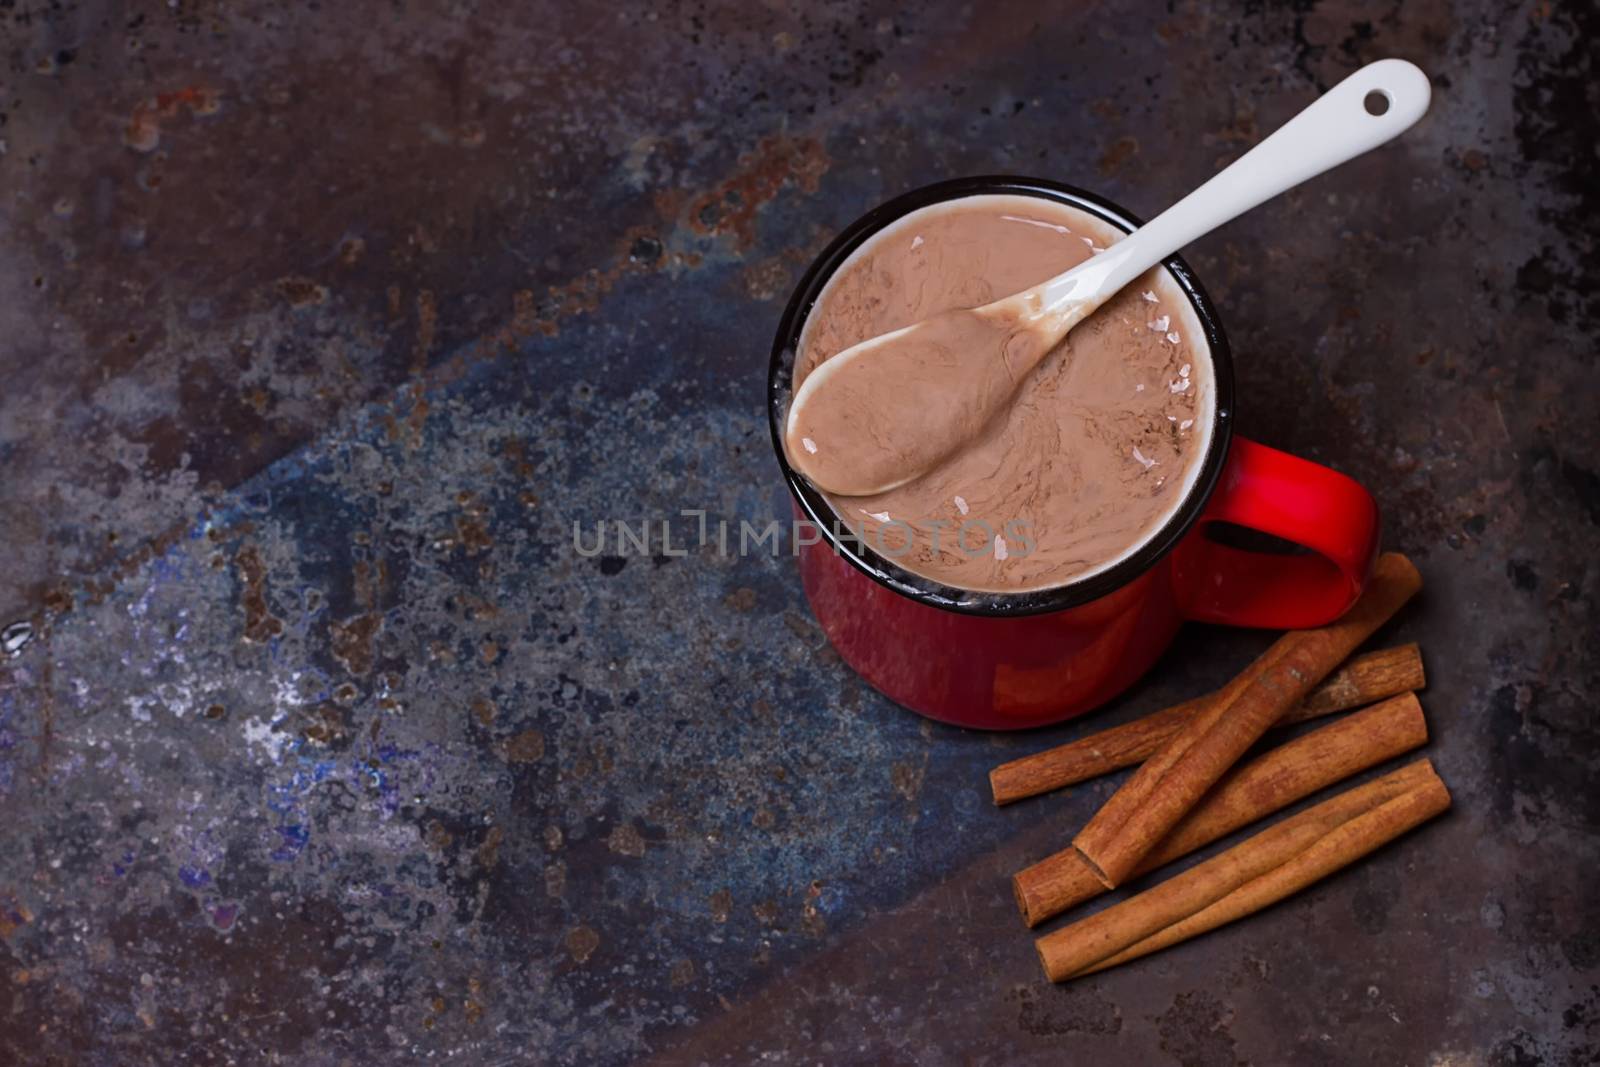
point(1160, 325)
point(1000, 548)
point(811, 446)
point(961, 505)
point(1149, 295)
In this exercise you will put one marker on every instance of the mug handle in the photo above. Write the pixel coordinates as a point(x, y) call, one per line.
point(1294, 499)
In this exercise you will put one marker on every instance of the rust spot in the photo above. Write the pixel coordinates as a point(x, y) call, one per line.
point(555, 879)
point(58, 602)
point(473, 1008)
point(1121, 150)
point(721, 903)
point(811, 919)
point(801, 627)
point(625, 840)
point(409, 434)
point(369, 580)
point(907, 780)
point(682, 974)
point(488, 854)
point(427, 324)
point(13, 915)
point(581, 295)
point(766, 280)
point(515, 452)
point(741, 599)
point(473, 533)
point(524, 747)
point(301, 292)
point(732, 206)
point(327, 725)
point(143, 131)
point(581, 943)
point(352, 641)
point(483, 711)
point(524, 312)
point(1241, 131)
point(1105, 108)
point(436, 837)
point(259, 622)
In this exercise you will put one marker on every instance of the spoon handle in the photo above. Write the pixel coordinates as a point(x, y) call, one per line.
point(1338, 126)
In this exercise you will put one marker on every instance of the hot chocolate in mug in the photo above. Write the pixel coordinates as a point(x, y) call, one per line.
point(1009, 660)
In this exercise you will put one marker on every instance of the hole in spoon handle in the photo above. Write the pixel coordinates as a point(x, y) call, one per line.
point(1390, 90)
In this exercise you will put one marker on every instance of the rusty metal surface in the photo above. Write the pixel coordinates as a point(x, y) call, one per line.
point(320, 326)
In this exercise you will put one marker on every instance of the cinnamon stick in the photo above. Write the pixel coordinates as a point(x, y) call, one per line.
point(1250, 876)
point(1251, 791)
point(1362, 680)
point(1174, 779)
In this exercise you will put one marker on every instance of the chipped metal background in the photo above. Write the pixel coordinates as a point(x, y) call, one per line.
point(322, 324)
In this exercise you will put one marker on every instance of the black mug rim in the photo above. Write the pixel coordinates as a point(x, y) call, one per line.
point(965, 601)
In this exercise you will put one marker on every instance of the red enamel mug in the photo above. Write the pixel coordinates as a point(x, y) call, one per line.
point(1029, 659)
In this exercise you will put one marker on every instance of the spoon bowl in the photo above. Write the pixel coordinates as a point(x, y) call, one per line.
point(885, 411)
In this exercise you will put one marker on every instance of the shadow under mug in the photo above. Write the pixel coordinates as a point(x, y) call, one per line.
point(1029, 659)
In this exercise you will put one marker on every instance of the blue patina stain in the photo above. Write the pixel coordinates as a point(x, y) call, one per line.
point(194, 877)
point(830, 900)
point(293, 837)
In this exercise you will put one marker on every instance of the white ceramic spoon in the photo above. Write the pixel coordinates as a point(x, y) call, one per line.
point(886, 410)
